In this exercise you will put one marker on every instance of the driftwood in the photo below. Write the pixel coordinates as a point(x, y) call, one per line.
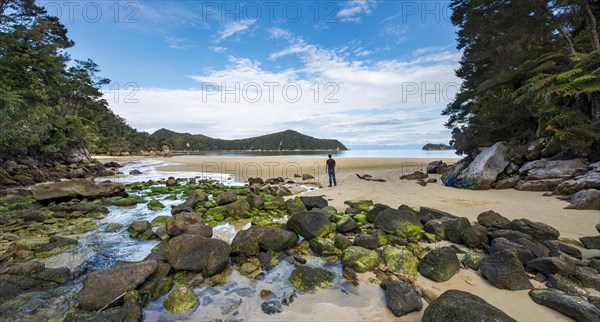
point(369, 178)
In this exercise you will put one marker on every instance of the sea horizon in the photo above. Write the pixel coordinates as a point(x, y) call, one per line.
point(354, 153)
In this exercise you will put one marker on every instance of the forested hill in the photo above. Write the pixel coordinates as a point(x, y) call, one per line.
point(286, 140)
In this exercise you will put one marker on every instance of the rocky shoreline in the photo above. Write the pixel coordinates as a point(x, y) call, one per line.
point(323, 247)
point(541, 165)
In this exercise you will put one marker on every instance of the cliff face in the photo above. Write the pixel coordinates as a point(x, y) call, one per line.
point(286, 140)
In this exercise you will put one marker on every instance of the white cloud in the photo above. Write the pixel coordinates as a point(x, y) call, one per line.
point(353, 10)
point(231, 28)
point(395, 33)
point(218, 49)
point(390, 102)
point(179, 43)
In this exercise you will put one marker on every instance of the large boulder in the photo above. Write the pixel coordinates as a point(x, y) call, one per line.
point(323, 247)
point(75, 188)
point(311, 224)
point(538, 185)
point(306, 278)
point(590, 242)
point(226, 197)
point(486, 167)
point(563, 248)
point(455, 170)
point(177, 223)
point(437, 167)
point(590, 180)
point(398, 222)
point(188, 206)
point(439, 264)
point(426, 214)
point(196, 253)
point(402, 298)
point(493, 219)
point(501, 244)
point(474, 235)
point(588, 277)
point(180, 300)
point(256, 238)
point(505, 271)
point(311, 202)
point(461, 306)
point(567, 285)
point(101, 288)
point(375, 211)
point(585, 199)
point(455, 227)
point(537, 230)
point(400, 260)
point(360, 259)
point(572, 306)
point(553, 169)
point(552, 265)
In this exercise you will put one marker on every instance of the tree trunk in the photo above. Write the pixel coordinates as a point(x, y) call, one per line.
point(591, 22)
point(595, 100)
point(568, 42)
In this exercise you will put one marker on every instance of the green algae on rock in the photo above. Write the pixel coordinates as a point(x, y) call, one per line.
point(360, 259)
point(180, 300)
point(306, 278)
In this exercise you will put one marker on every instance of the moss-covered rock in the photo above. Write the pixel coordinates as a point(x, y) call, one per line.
point(360, 259)
point(305, 278)
point(400, 260)
point(155, 205)
point(159, 221)
point(323, 247)
point(180, 300)
point(439, 264)
point(218, 213)
point(239, 209)
point(341, 242)
point(359, 204)
point(112, 227)
point(138, 228)
point(361, 218)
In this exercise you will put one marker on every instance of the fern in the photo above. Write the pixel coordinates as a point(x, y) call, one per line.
point(568, 74)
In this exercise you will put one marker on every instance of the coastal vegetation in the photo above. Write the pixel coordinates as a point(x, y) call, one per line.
point(436, 147)
point(530, 69)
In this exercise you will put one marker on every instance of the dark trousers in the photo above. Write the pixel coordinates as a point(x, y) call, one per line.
point(332, 177)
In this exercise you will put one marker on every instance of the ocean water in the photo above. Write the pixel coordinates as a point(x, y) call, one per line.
point(392, 153)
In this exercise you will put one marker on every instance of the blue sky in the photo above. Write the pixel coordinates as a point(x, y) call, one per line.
point(370, 73)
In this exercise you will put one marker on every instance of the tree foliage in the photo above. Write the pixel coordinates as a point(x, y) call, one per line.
point(529, 68)
point(47, 101)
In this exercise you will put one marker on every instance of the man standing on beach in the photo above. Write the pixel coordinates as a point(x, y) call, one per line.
point(330, 166)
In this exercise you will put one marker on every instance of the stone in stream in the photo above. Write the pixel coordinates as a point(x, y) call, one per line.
point(180, 300)
point(226, 197)
point(461, 306)
point(101, 288)
point(188, 206)
point(401, 298)
point(176, 224)
point(76, 188)
point(271, 307)
point(306, 278)
point(439, 264)
point(504, 270)
point(155, 205)
point(138, 227)
point(196, 253)
point(572, 306)
point(203, 230)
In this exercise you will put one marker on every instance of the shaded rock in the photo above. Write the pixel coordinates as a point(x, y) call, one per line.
point(398, 222)
point(135, 172)
point(196, 253)
point(455, 227)
point(567, 285)
point(473, 259)
point(346, 225)
point(572, 306)
point(176, 224)
point(102, 288)
point(511, 235)
point(138, 227)
point(400, 260)
point(552, 147)
point(486, 166)
point(188, 206)
point(180, 300)
point(341, 242)
point(538, 185)
point(534, 149)
point(272, 306)
point(56, 245)
point(255, 201)
point(506, 183)
point(562, 247)
point(203, 230)
point(401, 298)
point(491, 218)
point(323, 247)
point(439, 264)
point(505, 271)
point(438, 167)
point(474, 235)
point(537, 230)
point(552, 265)
point(305, 278)
point(426, 214)
point(311, 202)
point(588, 277)
point(414, 176)
point(585, 199)
point(360, 259)
point(375, 211)
point(438, 226)
point(226, 197)
point(171, 182)
point(366, 241)
point(155, 205)
point(75, 188)
point(250, 241)
point(591, 242)
point(311, 224)
point(502, 244)
point(456, 169)
point(460, 306)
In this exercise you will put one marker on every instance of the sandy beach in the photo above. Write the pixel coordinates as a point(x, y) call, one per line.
point(394, 192)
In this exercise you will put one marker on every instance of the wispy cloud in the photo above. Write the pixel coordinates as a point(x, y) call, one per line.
point(218, 49)
point(393, 32)
point(231, 28)
point(179, 43)
point(353, 10)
